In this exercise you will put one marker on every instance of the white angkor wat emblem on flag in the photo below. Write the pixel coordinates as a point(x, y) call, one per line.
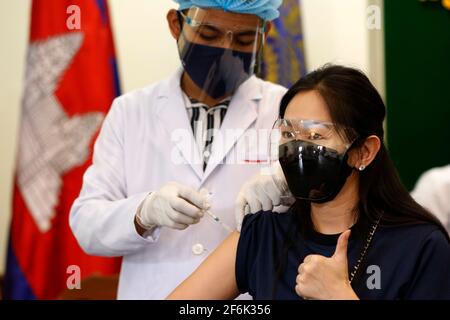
point(50, 142)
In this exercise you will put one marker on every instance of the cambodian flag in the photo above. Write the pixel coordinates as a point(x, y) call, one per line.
point(71, 80)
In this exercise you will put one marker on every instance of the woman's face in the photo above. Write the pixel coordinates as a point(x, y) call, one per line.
point(312, 150)
point(310, 105)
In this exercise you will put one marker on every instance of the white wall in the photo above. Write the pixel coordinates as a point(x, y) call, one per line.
point(335, 31)
point(13, 39)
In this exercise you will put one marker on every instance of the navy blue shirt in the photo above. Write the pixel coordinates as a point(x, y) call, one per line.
point(408, 262)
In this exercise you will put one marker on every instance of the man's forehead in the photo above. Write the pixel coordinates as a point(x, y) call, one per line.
point(221, 17)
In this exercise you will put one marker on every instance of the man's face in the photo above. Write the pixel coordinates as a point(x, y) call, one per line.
point(217, 28)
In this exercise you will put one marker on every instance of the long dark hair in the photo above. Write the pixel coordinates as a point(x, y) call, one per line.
point(354, 102)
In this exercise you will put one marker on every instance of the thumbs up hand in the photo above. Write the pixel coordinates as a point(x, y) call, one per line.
point(325, 278)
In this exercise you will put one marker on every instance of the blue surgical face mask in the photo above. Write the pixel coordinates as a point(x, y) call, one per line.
point(217, 71)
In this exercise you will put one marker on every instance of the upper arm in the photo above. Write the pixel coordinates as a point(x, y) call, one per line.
point(215, 278)
point(106, 176)
point(104, 180)
point(102, 217)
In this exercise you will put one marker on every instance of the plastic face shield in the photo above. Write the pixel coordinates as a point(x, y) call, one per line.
point(219, 50)
point(211, 27)
point(313, 156)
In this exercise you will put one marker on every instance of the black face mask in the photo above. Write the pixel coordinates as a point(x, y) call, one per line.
point(217, 71)
point(314, 173)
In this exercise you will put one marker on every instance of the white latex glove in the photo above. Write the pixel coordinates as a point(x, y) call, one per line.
point(175, 206)
point(262, 192)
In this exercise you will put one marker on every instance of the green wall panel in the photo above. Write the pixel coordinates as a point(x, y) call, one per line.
point(417, 85)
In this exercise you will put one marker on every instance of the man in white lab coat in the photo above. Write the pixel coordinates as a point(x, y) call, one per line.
point(173, 155)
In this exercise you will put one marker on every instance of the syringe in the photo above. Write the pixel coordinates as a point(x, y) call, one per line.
point(212, 215)
point(216, 219)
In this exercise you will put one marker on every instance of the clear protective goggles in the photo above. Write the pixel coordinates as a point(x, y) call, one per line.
point(207, 27)
point(324, 134)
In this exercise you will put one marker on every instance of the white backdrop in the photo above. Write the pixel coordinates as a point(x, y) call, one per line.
point(335, 31)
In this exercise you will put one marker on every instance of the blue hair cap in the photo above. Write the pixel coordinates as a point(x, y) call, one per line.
point(265, 9)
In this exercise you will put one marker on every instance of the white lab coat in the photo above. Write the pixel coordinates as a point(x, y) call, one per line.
point(432, 191)
point(133, 156)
